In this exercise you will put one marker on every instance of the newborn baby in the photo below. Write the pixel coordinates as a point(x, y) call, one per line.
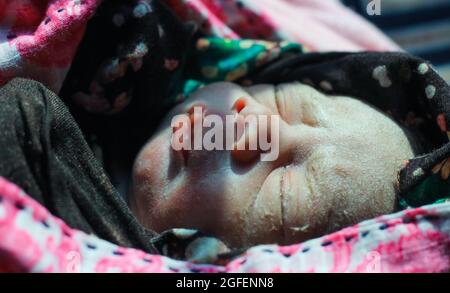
point(337, 165)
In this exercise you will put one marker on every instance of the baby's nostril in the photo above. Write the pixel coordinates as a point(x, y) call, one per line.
point(196, 114)
point(192, 119)
point(198, 107)
point(240, 104)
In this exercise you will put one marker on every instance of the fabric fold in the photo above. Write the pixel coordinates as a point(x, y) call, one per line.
point(44, 152)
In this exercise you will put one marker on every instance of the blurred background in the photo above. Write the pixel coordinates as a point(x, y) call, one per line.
point(421, 27)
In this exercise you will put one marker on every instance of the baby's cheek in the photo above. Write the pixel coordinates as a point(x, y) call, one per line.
point(302, 206)
point(144, 171)
point(148, 178)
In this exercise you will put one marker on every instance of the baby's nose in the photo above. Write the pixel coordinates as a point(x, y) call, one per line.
point(263, 135)
point(247, 106)
point(254, 132)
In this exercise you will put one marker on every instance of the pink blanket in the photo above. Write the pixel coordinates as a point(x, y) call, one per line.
point(411, 241)
point(326, 25)
point(319, 25)
point(39, 38)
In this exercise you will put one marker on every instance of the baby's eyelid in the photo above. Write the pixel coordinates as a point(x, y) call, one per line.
point(316, 114)
point(278, 107)
point(310, 113)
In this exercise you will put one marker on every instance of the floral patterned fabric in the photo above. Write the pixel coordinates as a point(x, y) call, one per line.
point(216, 59)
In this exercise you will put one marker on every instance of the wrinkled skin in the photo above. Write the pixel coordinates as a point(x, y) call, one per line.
point(338, 164)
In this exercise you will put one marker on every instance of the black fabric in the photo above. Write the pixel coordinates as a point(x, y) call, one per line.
point(43, 151)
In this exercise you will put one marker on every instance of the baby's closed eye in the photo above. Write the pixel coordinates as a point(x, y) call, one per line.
point(298, 104)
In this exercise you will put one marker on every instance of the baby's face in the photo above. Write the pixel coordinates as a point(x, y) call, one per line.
point(337, 165)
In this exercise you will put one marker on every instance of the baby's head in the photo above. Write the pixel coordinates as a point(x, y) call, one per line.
point(337, 165)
